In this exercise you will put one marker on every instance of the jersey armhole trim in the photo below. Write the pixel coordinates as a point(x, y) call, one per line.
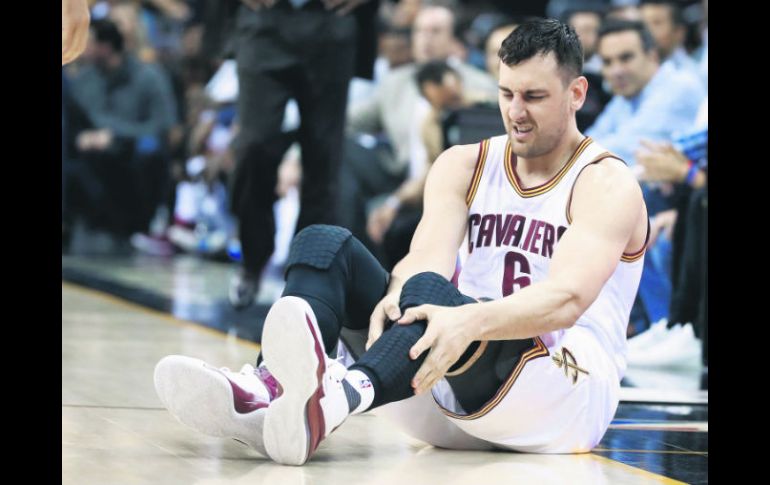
point(625, 257)
point(477, 172)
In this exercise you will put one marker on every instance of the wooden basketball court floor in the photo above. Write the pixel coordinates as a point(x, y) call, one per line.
point(119, 317)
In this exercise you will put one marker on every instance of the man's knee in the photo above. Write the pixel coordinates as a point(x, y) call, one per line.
point(317, 246)
point(430, 288)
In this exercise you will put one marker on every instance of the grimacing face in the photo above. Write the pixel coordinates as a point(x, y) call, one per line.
point(625, 64)
point(536, 105)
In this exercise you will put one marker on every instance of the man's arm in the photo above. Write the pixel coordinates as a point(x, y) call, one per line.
point(606, 210)
point(440, 231)
point(445, 214)
point(75, 19)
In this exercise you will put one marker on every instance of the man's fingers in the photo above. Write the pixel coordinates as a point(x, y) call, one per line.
point(393, 311)
point(415, 313)
point(426, 377)
point(376, 324)
point(424, 343)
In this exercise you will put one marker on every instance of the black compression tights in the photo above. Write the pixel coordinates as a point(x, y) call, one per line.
point(343, 290)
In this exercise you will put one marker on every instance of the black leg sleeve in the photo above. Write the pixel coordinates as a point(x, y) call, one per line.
point(337, 276)
point(388, 365)
point(387, 362)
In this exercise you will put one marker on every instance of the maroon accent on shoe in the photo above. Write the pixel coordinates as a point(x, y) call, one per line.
point(314, 413)
point(274, 388)
point(245, 402)
point(184, 223)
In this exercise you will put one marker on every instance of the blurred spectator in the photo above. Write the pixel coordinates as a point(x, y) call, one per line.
point(651, 101)
point(393, 223)
point(395, 47)
point(394, 50)
point(478, 32)
point(298, 49)
point(624, 10)
point(664, 20)
point(702, 53)
point(126, 16)
point(128, 107)
point(202, 223)
point(586, 18)
point(492, 46)
point(384, 145)
point(684, 163)
point(400, 13)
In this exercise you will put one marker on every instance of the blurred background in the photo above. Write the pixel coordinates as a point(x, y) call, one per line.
point(199, 135)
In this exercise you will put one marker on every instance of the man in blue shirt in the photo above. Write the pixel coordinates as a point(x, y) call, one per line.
point(666, 23)
point(651, 102)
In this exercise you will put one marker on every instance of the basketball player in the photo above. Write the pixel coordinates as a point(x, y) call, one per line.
point(74, 29)
point(526, 353)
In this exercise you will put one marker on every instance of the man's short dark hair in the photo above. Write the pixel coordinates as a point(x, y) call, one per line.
point(106, 32)
point(614, 26)
point(541, 36)
point(433, 72)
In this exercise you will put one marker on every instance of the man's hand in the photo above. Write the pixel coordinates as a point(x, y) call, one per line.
point(74, 29)
point(662, 223)
point(448, 335)
point(662, 162)
point(98, 140)
point(386, 309)
point(379, 222)
point(343, 7)
point(258, 4)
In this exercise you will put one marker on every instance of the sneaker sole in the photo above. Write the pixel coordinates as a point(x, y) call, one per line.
point(201, 397)
point(293, 351)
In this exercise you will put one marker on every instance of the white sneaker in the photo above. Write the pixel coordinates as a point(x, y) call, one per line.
point(216, 402)
point(657, 331)
point(313, 403)
point(680, 349)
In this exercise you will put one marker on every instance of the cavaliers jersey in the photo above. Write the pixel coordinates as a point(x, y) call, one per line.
point(513, 232)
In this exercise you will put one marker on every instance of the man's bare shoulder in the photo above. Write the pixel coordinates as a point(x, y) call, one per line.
point(458, 158)
point(610, 176)
point(608, 191)
point(453, 169)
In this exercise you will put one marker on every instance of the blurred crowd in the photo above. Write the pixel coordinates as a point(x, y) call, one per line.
point(221, 127)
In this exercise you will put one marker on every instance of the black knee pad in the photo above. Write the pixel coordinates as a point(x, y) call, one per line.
point(316, 246)
point(431, 288)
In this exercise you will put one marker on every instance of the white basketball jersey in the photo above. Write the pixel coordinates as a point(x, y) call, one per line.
point(563, 392)
point(513, 232)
